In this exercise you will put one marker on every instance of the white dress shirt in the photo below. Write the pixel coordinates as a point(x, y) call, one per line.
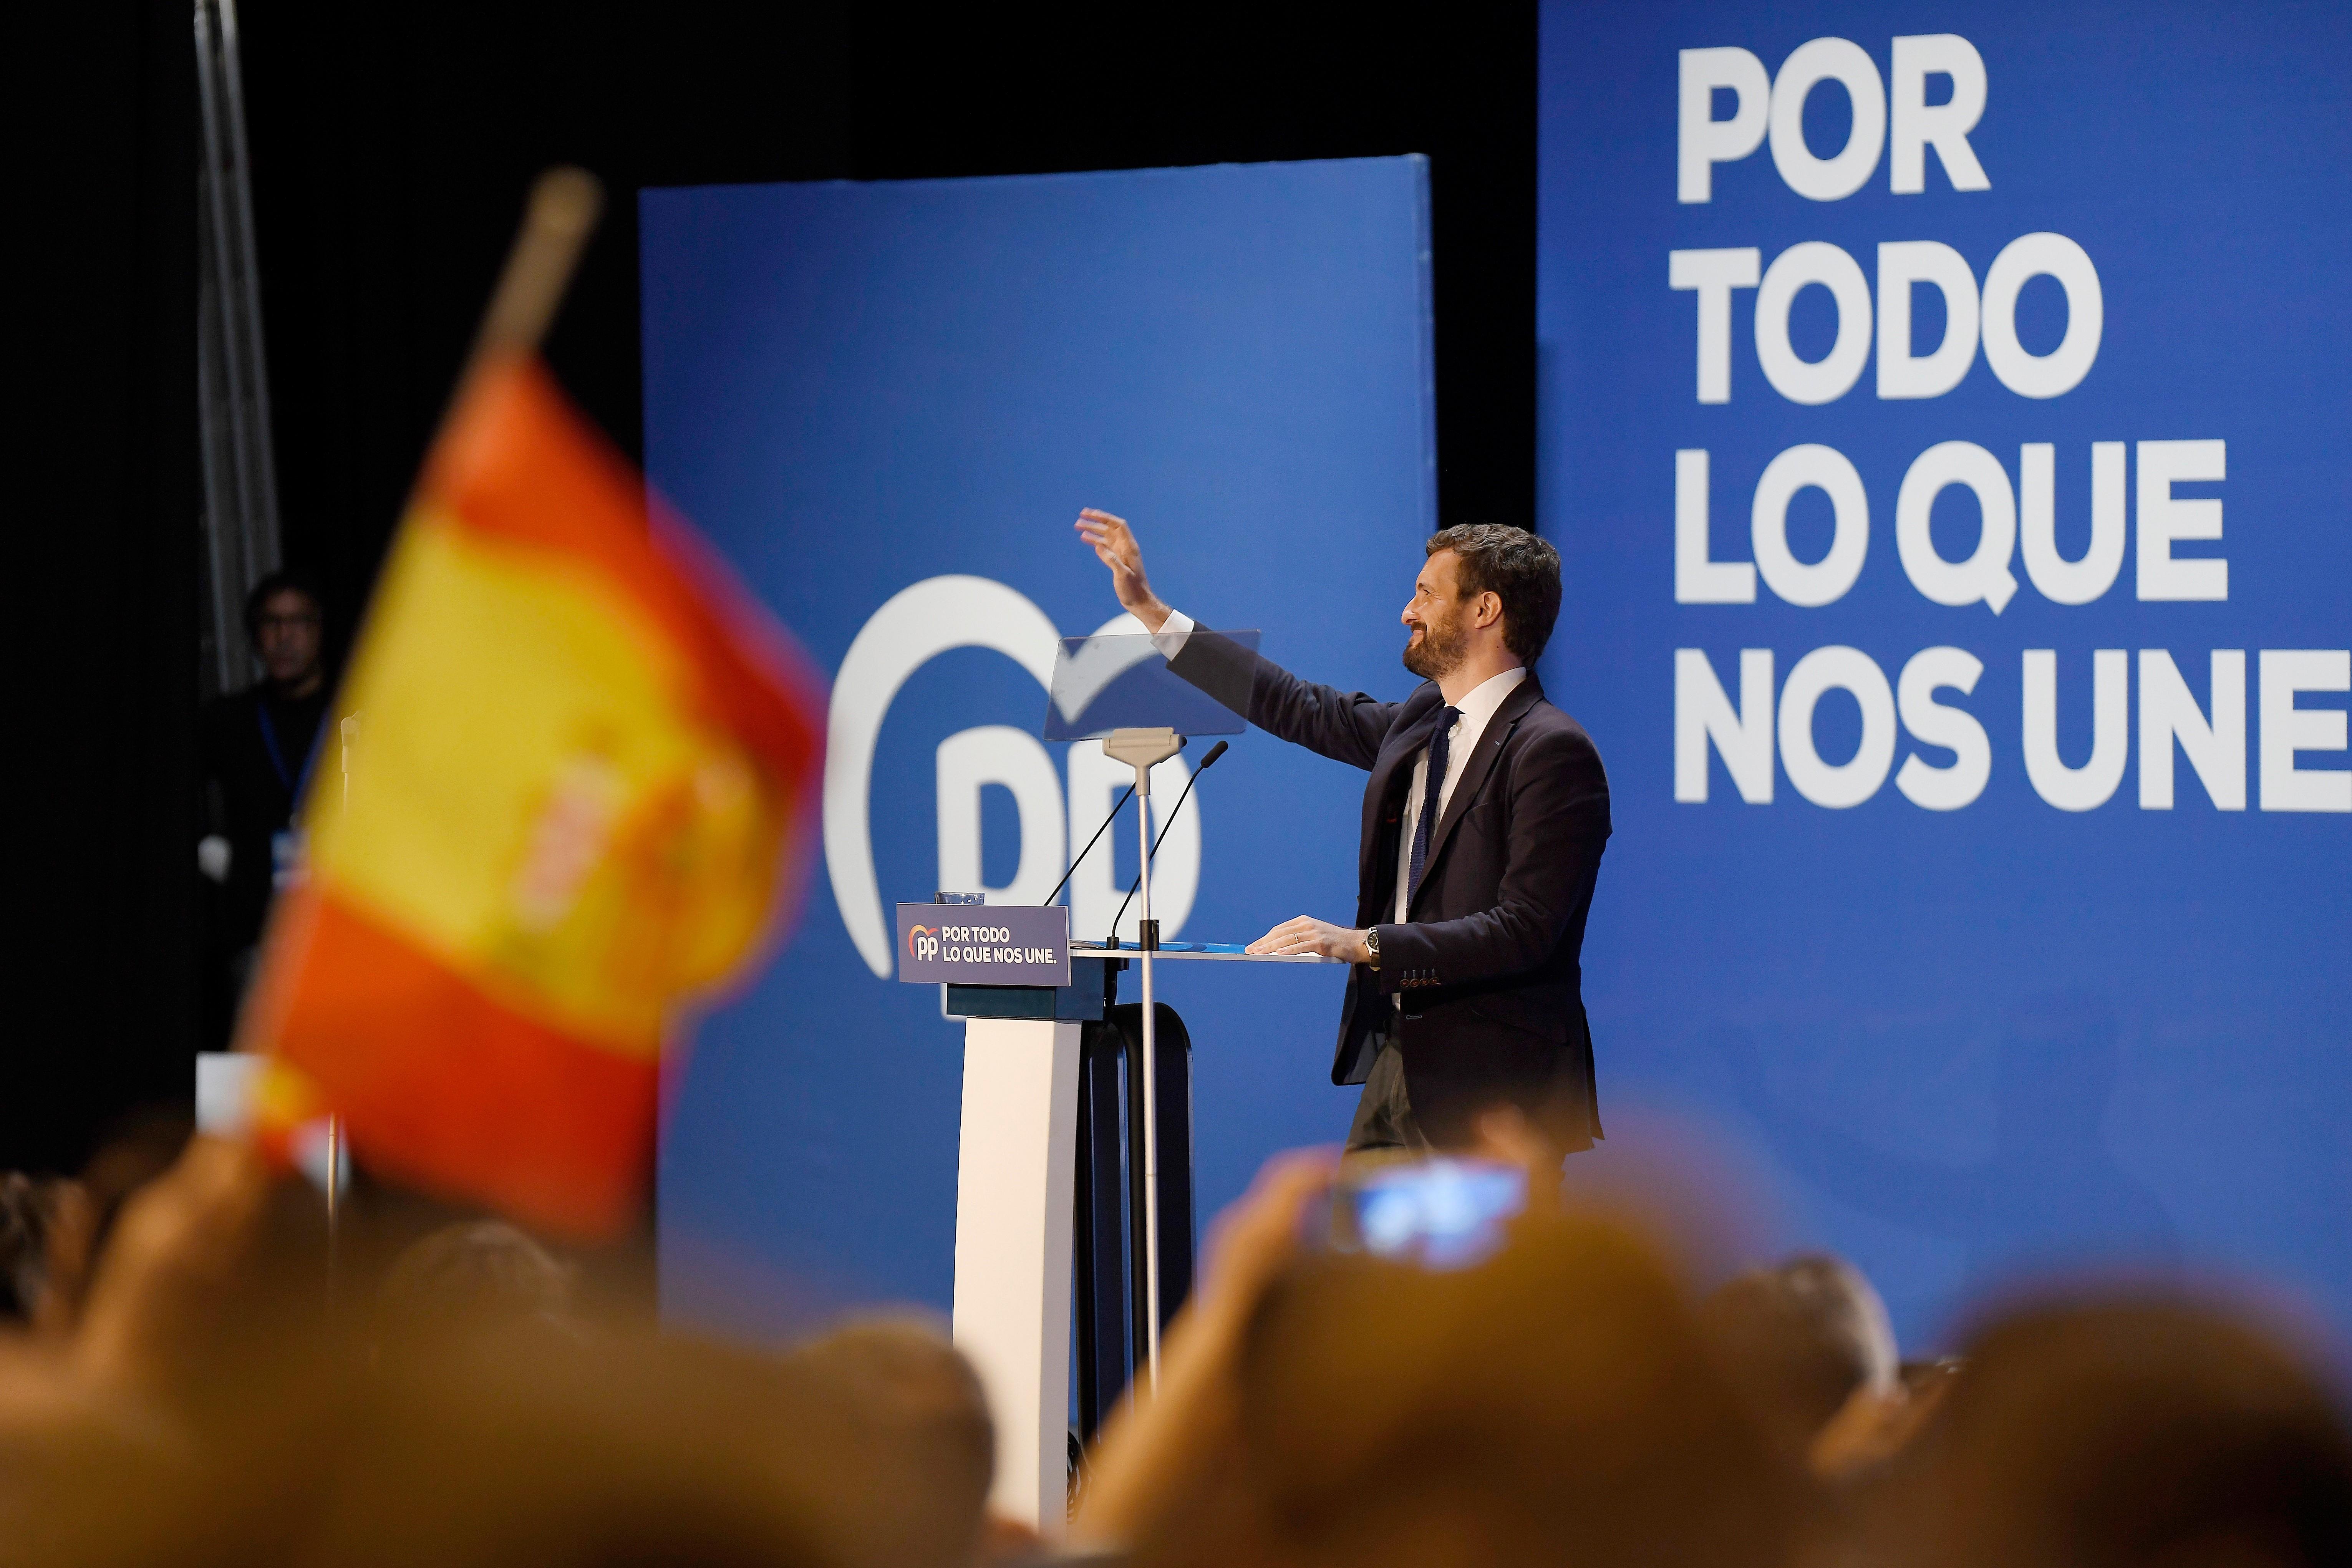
point(1172, 635)
point(1476, 709)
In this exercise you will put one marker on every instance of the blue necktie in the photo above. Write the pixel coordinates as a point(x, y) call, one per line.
point(1436, 787)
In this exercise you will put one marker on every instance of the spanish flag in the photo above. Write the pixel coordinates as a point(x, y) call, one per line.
point(581, 776)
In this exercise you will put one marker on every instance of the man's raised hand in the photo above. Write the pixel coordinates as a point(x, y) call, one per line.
point(1114, 544)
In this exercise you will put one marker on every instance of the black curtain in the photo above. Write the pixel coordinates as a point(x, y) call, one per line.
point(391, 149)
point(103, 580)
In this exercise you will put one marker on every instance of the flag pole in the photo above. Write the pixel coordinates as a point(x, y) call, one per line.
point(562, 213)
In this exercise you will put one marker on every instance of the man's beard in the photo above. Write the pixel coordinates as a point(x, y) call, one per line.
point(1439, 650)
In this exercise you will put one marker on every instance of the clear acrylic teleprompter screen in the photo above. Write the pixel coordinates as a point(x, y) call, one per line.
point(1121, 682)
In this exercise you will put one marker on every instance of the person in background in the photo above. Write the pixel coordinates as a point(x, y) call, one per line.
point(210, 1411)
point(1168, 1464)
point(257, 748)
point(485, 1275)
point(2124, 1430)
point(1557, 1402)
point(905, 1375)
point(1804, 1338)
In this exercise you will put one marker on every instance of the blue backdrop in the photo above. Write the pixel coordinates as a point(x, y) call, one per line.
point(1981, 1013)
point(887, 403)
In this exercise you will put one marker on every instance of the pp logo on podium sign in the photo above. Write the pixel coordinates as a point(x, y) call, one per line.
point(984, 944)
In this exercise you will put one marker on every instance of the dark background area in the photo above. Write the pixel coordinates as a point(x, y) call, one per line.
point(391, 149)
point(101, 589)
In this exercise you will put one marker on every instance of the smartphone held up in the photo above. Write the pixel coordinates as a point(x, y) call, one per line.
point(1439, 1213)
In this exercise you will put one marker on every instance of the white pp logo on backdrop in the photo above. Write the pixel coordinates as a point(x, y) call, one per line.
point(914, 626)
point(2014, 518)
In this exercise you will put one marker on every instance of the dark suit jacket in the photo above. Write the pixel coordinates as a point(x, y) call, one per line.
point(1489, 965)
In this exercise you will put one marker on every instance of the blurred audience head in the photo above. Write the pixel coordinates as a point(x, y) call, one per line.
point(251, 1428)
point(482, 1275)
point(631, 1450)
point(487, 1451)
point(1557, 1402)
point(909, 1379)
point(2123, 1434)
point(1563, 1399)
point(1802, 1338)
point(285, 614)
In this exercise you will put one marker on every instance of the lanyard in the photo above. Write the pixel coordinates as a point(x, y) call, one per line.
point(294, 783)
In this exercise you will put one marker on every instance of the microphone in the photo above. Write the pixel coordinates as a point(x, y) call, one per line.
point(1214, 752)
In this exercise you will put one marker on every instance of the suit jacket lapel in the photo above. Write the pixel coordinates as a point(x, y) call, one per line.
point(1481, 763)
point(1397, 756)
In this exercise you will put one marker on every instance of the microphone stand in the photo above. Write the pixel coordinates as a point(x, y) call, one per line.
point(1140, 749)
point(1082, 853)
point(1207, 762)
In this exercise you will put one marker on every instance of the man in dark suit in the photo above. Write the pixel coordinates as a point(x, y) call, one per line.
point(1483, 829)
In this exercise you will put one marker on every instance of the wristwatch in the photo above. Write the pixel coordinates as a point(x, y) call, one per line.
point(1372, 944)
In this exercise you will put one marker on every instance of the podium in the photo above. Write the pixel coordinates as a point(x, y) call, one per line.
point(1050, 1203)
point(1047, 1232)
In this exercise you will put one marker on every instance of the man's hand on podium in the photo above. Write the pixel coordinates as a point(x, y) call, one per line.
point(1307, 934)
point(1114, 544)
